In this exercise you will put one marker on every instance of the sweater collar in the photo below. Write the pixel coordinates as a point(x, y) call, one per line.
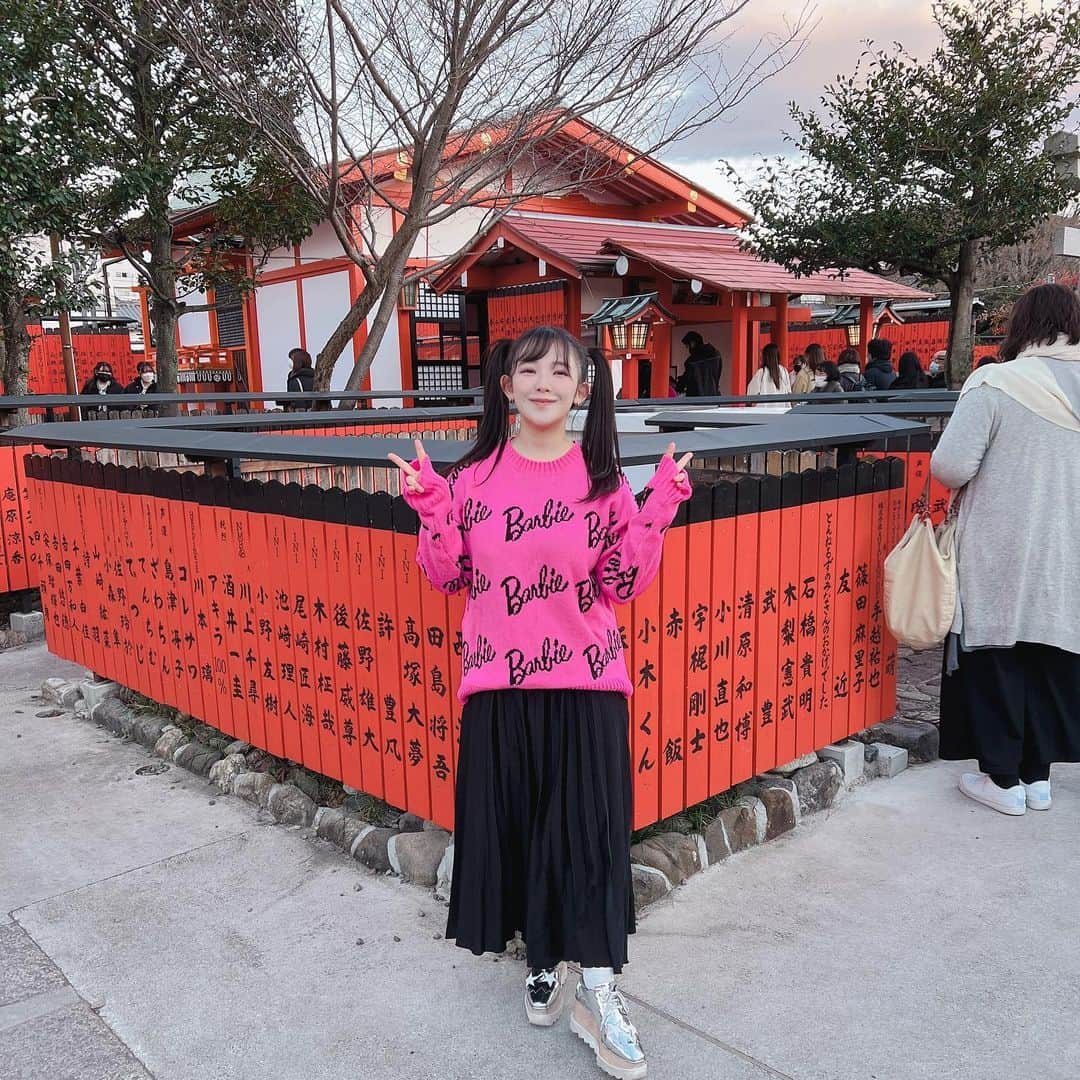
point(535, 468)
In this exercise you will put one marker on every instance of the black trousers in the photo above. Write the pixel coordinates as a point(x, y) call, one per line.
point(1016, 710)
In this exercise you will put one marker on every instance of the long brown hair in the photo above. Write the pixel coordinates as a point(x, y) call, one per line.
point(1039, 316)
point(599, 439)
point(815, 356)
point(770, 358)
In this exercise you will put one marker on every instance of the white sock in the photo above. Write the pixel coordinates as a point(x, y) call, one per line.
point(594, 978)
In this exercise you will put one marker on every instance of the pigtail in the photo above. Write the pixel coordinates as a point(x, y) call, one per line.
point(600, 440)
point(493, 430)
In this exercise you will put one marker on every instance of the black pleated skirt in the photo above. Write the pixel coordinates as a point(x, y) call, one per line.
point(542, 826)
point(1012, 707)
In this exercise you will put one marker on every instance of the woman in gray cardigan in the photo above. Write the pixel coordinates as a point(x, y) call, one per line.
point(1010, 692)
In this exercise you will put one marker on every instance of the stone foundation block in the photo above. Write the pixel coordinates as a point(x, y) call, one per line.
point(170, 740)
point(649, 885)
point(409, 822)
point(370, 848)
point(351, 827)
point(781, 809)
point(793, 766)
point(445, 874)
point(224, 772)
point(197, 757)
point(676, 856)
point(52, 690)
point(31, 624)
point(890, 760)
point(253, 787)
point(849, 756)
point(817, 785)
point(416, 855)
point(733, 830)
point(94, 693)
point(759, 817)
point(329, 824)
point(290, 806)
point(918, 737)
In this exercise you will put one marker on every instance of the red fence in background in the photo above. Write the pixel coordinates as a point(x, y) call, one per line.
point(47, 361)
point(762, 637)
point(923, 338)
point(514, 310)
point(18, 568)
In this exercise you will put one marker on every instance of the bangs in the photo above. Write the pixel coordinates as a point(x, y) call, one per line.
point(535, 344)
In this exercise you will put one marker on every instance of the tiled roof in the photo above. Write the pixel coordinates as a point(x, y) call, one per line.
point(711, 255)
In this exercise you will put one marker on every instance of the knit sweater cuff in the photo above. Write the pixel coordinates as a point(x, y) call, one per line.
point(666, 493)
point(434, 504)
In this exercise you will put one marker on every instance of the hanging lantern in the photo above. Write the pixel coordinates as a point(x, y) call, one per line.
point(853, 334)
point(639, 335)
point(409, 294)
point(618, 336)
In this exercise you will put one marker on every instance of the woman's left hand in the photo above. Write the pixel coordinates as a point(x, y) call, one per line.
point(680, 465)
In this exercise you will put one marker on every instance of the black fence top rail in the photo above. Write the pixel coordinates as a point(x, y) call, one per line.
point(121, 402)
point(785, 431)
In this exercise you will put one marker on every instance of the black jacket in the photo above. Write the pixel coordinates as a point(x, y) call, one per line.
point(136, 387)
point(832, 387)
point(300, 381)
point(90, 387)
point(701, 375)
point(879, 375)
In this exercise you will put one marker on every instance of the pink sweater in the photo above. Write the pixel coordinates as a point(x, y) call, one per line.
point(543, 568)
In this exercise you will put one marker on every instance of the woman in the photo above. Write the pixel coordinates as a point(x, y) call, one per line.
point(145, 382)
point(1011, 679)
point(912, 376)
point(851, 376)
point(832, 384)
point(543, 798)
point(771, 377)
point(805, 380)
point(102, 382)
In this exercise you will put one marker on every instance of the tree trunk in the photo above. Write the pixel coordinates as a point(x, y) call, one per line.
point(16, 362)
point(340, 338)
point(163, 308)
point(16, 369)
point(961, 310)
point(387, 310)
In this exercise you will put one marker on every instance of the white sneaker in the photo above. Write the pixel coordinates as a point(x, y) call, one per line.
point(981, 788)
point(1038, 795)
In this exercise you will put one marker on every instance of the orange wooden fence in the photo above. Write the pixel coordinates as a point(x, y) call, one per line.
point(296, 618)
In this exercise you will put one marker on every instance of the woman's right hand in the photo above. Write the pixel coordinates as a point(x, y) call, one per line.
point(410, 476)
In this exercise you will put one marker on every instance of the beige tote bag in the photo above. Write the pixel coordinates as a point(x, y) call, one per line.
point(920, 581)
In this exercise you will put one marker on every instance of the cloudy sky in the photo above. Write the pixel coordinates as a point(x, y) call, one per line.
point(833, 46)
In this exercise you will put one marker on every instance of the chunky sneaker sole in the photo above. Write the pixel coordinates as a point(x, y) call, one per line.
point(583, 1025)
point(549, 1015)
point(1038, 795)
point(980, 788)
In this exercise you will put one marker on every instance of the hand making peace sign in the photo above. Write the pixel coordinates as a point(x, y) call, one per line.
point(410, 477)
point(680, 465)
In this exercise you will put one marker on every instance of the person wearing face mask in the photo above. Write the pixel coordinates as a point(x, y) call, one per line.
point(936, 370)
point(102, 382)
point(145, 382)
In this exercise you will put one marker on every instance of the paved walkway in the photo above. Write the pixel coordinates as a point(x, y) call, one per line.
point(148, 927)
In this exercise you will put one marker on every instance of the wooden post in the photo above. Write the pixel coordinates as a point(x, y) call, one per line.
point(780, 326)
point(740, 363)
point(66, 350)
point(866, 326)
point(573, 307)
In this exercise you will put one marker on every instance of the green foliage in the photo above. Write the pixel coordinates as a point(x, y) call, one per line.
point(44, 111)
point(907, 160)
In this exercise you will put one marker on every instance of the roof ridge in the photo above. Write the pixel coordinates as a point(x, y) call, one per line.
point(577, 219)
